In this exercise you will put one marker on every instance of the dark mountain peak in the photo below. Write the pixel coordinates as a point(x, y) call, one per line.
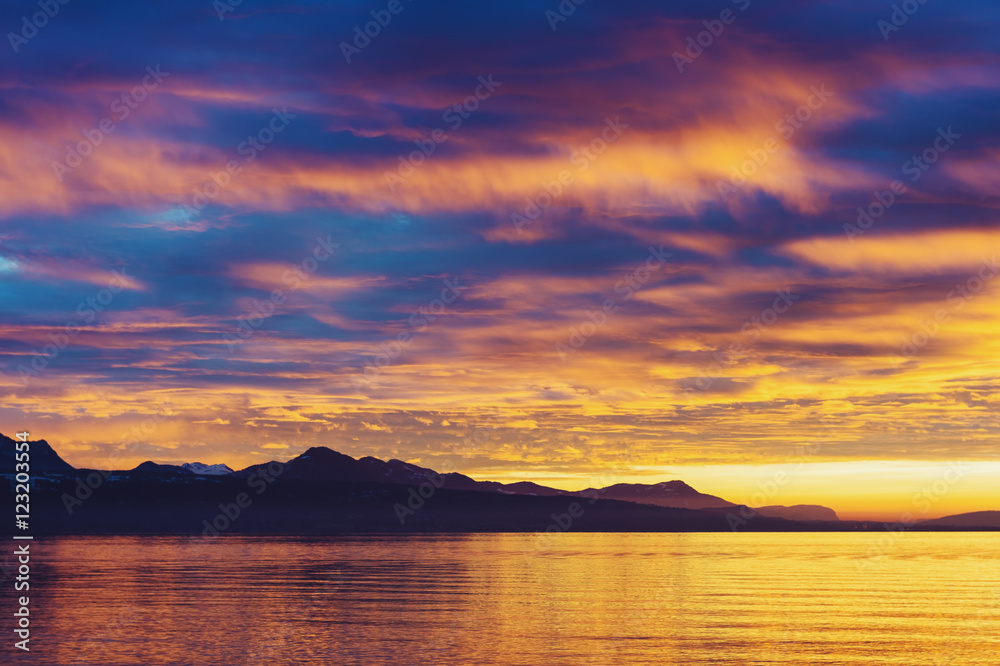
point(674, 494)
point(973, 520)
point(323, 454)
point(43, 457)
point(805, 512)
point(393, 471)
point(320, 462)
point(677, 484)
point(531, 488)
point(662, 488)
point(150, 467)
point(323, 464)
point(405, 466)
point(456, 481)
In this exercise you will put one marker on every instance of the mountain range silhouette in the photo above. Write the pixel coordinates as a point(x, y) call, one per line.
point(323, 491)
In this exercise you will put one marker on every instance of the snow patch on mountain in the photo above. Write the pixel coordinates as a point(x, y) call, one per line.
point(207, 470)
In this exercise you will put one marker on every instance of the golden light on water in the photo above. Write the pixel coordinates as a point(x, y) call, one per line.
point(505, 599)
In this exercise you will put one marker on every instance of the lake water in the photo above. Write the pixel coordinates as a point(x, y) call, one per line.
point(513, 599)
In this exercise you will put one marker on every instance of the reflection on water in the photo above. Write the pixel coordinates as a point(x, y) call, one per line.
point(495, 599)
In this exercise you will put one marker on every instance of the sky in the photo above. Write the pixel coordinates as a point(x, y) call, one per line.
point(571, 243)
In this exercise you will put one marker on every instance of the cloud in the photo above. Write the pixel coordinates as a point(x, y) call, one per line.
point(491, 360)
